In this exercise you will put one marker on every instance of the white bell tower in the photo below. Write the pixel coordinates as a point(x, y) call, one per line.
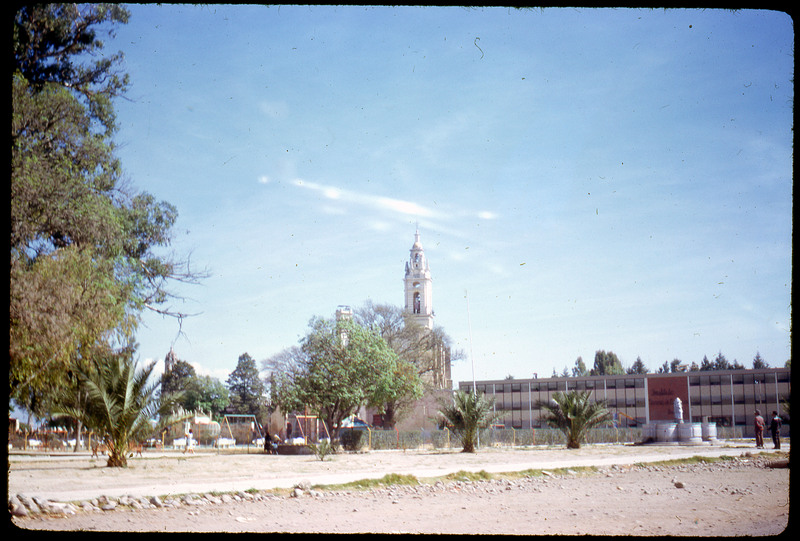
point(419, 286)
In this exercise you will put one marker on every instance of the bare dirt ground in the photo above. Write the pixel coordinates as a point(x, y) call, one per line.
point(595, 490)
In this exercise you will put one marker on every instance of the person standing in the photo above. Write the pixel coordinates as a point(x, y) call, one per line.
point(189, 443)
point(758, 424)
point(775, 428)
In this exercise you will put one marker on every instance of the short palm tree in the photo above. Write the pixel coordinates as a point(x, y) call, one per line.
point(121, 404)
point(574, 413)
point(467, 414)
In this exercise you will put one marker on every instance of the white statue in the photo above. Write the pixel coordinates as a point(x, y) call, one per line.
point(677, 406)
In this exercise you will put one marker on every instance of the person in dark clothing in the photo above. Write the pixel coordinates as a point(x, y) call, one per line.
point(269, 445)
point(775, 428)
point(758, 425)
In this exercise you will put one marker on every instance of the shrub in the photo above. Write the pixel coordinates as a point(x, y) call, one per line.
point(351, 440)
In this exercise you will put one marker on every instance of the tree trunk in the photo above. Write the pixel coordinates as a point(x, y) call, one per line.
point(116, 455)
point(389, 416)
point(78, 437)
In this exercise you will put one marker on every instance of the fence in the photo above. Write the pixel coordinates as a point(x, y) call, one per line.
point(508, 437)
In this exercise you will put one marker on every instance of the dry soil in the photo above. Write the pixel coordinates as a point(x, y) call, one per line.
point(596, 490)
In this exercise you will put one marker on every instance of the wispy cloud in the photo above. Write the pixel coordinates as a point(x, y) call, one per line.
point(376, 202)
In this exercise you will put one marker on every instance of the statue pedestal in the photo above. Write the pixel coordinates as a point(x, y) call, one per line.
point(679, 433)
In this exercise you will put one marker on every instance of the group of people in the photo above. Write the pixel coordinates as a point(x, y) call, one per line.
point(774, 427)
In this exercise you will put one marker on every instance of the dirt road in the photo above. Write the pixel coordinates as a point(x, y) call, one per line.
point(622, 495)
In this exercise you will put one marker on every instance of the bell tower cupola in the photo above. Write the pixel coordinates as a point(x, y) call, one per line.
point(419, 286)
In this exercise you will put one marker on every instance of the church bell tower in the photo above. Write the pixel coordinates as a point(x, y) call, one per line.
point(419, 286)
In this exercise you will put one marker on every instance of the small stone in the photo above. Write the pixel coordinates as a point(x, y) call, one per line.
point(18, 510)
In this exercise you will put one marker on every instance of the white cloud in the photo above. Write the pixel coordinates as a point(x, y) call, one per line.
point(400, 206)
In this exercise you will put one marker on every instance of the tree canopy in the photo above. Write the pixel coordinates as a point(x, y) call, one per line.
point(86, 249)
point(122, 404)
point(574, 413)
point(338, 367)
point(467, 414)
point(246, 389)
point(422, 350)
point(606, 364)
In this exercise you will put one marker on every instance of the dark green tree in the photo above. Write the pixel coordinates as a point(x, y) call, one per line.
point(425, 350)
point(338, 367)
point(574, 413)
point(83, 262)
point(121, 404)
point(759, 362)
point(606, 364)
point(246, 389)
point(466, 415)
point(721, 363)
point(579, 369)
point(178, 378)
point(208, 394)
point(637, 367)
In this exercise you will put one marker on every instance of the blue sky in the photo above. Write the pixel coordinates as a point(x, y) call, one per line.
point(582, 179)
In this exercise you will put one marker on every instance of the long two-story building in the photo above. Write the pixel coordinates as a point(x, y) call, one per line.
point(727, 397)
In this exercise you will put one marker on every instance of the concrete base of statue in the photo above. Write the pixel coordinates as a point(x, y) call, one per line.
point(679, 433)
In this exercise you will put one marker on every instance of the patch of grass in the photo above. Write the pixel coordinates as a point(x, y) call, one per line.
point(387, 480)
point(523, 474)
point(468, 476)
point(698, 460)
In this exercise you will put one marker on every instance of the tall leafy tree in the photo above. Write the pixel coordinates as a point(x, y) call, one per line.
point(606, 364)
point(208, 394)
point(121, 403)
point(759, 362)
point(421, 349)
point(580, 368)
point(83, 243)
point(178, 377)
point(574, 413)
point(338, 367)
point(637, 367)
point(467, 414)
point(246, 387)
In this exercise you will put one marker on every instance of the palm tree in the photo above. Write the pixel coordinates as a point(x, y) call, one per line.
point(468, 413)
point(119, 402)
point(574, 414)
